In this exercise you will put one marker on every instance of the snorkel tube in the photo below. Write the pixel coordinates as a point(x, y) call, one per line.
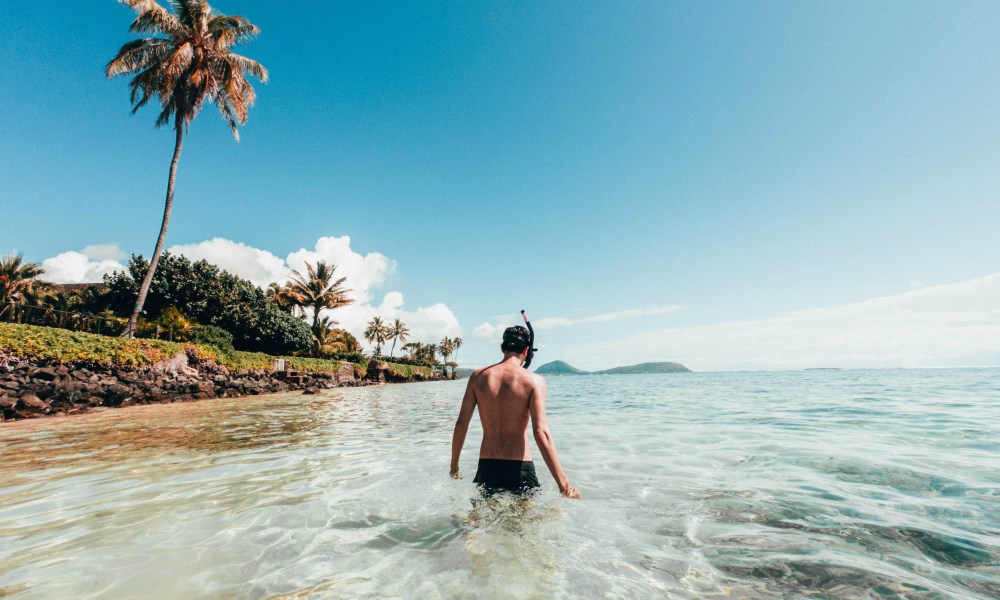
point(531, 340)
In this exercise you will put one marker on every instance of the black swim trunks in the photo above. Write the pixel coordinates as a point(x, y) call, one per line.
point(497, 475)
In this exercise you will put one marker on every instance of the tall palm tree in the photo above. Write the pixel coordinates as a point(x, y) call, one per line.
point(316, 290)
point(397, 332)
point(446, 347)
point(376, 333)
point(456, 344)
point(19, 284)
point(188, 67)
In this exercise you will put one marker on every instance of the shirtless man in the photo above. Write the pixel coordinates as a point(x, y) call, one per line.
point(507, 395)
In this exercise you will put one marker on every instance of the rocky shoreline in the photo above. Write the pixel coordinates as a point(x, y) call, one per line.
point(30, 388)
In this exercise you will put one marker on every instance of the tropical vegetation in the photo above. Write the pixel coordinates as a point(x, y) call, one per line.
point(397, 332)
point(63, 346)
point(189, 65)
point(19, 284)
point(377, 333)
point(210, 296)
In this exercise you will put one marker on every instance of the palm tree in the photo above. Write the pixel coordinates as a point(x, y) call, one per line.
point(376, 333)
point(279, 295)
point(19, 284)
point(397, 332)
point(447, 347)
point(316, 290)
point(326, 338)
point(188, 67)
point(62, 308)
point(456, 343)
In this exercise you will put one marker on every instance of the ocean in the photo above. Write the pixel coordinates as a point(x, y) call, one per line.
point(812, 484)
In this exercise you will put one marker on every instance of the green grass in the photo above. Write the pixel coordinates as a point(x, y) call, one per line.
point(63, 346)
point(408, 370)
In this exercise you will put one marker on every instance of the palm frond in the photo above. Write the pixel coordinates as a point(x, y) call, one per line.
point(156, 19)
point(137, 55)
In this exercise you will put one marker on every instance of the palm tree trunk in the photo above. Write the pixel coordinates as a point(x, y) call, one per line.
point(168, 206)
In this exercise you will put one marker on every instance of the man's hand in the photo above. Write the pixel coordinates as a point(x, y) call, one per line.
point(570, 492)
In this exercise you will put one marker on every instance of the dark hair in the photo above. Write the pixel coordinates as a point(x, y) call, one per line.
point(515, 339)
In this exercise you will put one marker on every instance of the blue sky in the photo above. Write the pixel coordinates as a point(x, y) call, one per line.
point(649, 176)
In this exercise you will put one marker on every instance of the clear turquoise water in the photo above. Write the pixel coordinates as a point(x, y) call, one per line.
point(831, 484)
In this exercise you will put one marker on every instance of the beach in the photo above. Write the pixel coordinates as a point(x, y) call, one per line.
point(840, 484)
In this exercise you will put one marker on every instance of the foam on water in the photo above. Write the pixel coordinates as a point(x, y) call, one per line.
point(838, 484)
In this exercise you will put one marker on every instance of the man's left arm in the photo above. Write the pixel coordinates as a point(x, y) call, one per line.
point(462, 426)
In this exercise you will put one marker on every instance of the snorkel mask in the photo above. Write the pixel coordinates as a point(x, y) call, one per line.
point(531, 341)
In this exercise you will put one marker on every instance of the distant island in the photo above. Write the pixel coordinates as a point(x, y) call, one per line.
point(558, 367)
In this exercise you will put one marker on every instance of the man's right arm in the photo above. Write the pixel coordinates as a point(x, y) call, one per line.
point(546, 445)
point(462, 425)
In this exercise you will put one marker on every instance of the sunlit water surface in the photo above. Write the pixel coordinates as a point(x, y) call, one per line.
point(833, 484)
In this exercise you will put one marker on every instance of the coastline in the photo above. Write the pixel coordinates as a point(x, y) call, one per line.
point(41, 389)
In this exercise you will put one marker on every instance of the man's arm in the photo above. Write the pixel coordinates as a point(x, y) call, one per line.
point(462, 425)
point(546, 445)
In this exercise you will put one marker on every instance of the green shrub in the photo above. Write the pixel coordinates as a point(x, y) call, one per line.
point(210, 335)
point(64, 346)
point(408, 370)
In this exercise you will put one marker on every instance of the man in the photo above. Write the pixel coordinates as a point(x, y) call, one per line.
point(507, 395)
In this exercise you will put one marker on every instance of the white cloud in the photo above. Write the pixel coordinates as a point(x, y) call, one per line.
point(259, 266)
point(945, 325)
point(100, 252)
point(552, 322)
point(489, 331)
point(77, 267)
point(494, 331)
point(364, 272)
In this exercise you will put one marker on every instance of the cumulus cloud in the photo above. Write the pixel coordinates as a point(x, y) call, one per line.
point(259, 266)
point(945, 325)
point(365, 274)
point(427, 324)
point(78, 267)
point(100, 252)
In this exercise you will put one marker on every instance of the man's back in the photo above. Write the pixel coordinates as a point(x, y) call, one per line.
point(503, 393)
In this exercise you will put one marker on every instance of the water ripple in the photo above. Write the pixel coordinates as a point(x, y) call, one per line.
point(727, 485)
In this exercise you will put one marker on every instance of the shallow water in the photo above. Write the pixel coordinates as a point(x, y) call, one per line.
point(833, 484)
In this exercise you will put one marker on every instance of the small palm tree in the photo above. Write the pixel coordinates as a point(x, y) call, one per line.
point(316, 290)
point(279, 295)
point(61, 308)
point(19, 284)
point(376, 333)
point(326, 338)
point(397, 332)
point(188, 67)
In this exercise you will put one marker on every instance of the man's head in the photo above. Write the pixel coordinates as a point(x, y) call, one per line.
point(515, 340)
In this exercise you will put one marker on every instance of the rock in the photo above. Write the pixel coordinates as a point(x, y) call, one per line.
point(33, 403)
point(46, 374)
point(311, 390)
point(62, 370)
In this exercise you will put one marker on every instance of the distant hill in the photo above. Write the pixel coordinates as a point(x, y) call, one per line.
point(650, 367)
point(558, 367)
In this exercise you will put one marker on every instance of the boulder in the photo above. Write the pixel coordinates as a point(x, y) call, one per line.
point(32, 403)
